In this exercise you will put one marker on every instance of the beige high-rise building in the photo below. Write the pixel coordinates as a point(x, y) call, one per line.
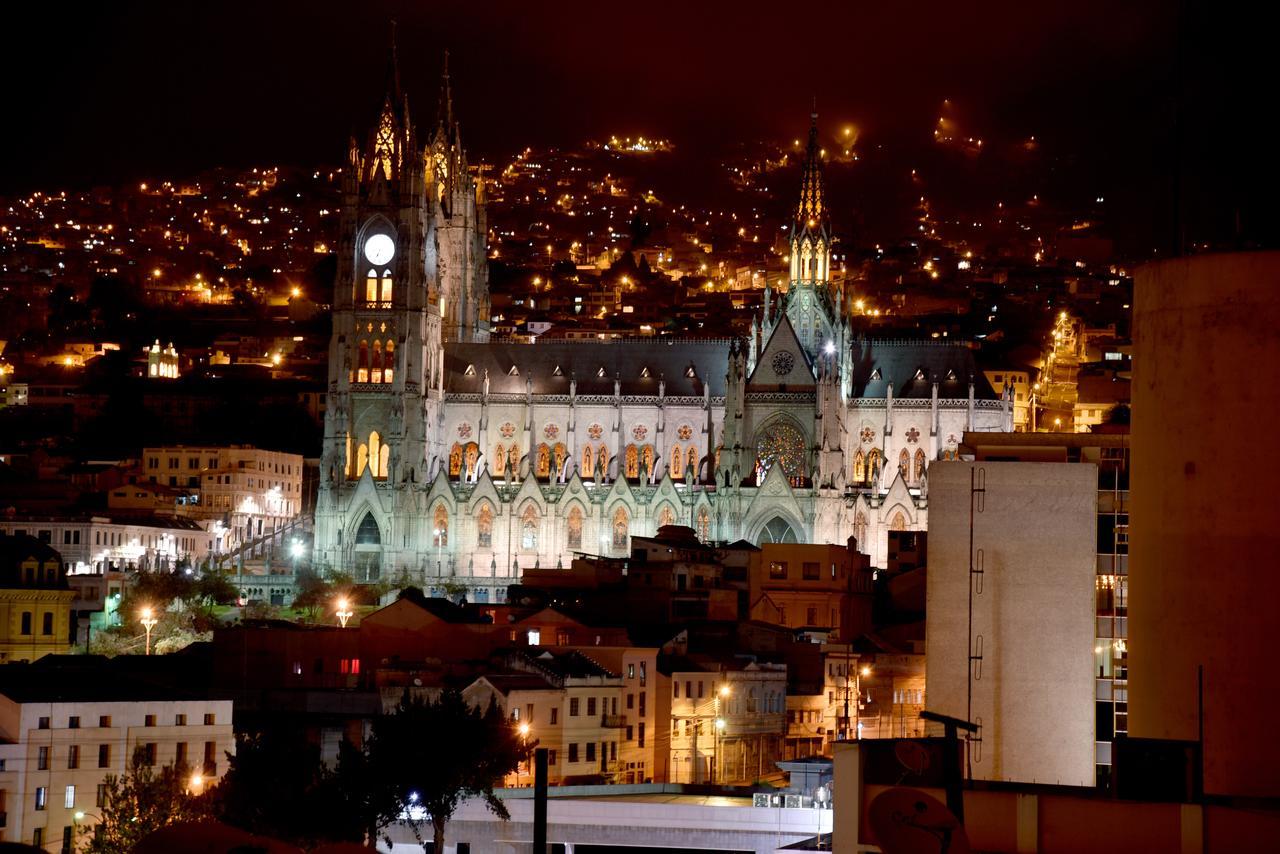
point(1030, 628)
point(1205, 531)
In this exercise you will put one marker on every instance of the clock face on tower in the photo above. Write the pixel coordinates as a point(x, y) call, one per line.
point(379, 249)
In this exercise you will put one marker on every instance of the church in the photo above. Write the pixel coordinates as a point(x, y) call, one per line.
point(451, 461)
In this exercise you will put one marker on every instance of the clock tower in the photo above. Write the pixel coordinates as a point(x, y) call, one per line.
point(386, 352)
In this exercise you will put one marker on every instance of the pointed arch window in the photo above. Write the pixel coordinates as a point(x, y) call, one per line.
point(704, 524)
point(388, 361)
point(455, 460)
point(632, 462)
point(859, 467)
point(558, 453)
point(621, 524)
point(873, 465)
point(588, 461)
point(371, 286)
point(666, 516)
point(499, 460)
point(543, 466)
point(777, 530)
point(677, 461)
point(574, 527)
point(375, 363)
point(484, 526)
point(646, 457)
point(920, 465)
point(904, 464)
point(440, 527)
point(898, 522)
point(362, 458)
point(860, 530)
point(471, 456)
point(362, 362)
point(368, 534)
point(529, 528)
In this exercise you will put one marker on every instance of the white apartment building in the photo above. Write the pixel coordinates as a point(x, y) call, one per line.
point(94, 543)
point(242, 493)
point(62, 733)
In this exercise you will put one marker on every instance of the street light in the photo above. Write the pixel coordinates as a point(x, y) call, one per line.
point(343, 611)
point(865, 670)
point(523, 729)
point(722, 693)
point(148, 622)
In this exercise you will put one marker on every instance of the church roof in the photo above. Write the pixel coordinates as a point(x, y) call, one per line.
point(913, 367)
point(686, 366)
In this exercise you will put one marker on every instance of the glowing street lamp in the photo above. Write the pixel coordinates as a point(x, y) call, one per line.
point(148, 622)
point(343, 611)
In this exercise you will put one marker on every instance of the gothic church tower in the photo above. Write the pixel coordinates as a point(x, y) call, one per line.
point(411, 271)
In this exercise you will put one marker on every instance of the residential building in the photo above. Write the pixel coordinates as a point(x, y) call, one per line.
point(93, 543)
point(242, 493)
point(728, 718)
point(62, 731)
point(813, 586)
point(35, 601)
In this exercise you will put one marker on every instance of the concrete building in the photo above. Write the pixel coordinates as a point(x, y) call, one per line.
point(1027, 620)
point(62, 733)
point(646, 818)
point(242, 493)
point(92, 543)
point(1206, 521)
point(35, 601)
point(1110, 452)
point(728, 719)
point(812, 585)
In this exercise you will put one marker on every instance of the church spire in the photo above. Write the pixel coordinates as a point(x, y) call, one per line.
point(812, 210)
point(446, 125)
point(392, 137)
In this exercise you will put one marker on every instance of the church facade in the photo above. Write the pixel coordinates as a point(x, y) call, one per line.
point(452, 461)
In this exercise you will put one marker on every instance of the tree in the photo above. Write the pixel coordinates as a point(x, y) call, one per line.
point(278, 786)
point(317, 593)
point(139, 802)
point(424, 759)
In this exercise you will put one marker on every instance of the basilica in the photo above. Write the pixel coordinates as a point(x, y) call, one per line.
point(452, 460)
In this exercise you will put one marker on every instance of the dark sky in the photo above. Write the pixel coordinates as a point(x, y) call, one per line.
point(107, 92)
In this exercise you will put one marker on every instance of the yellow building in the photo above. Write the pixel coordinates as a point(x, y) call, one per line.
point(35, 600)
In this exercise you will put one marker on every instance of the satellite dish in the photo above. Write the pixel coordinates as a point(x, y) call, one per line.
point(913, 755)
point(909, 821)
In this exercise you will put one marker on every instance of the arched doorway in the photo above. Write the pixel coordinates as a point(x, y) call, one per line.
point(367, 555)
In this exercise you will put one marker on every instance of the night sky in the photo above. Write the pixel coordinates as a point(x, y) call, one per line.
point(113, 92)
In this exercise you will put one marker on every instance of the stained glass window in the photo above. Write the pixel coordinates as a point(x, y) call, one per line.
point(920, 465)
point(529, 528)
point(575, 528)
point(666, 516)
point(783, 443)
point(440, 527)
point(484, 526)
point(704, 524)
point(620, 528)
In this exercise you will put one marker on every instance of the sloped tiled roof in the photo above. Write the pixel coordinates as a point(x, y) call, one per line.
point(585, 361)
point(913, 367)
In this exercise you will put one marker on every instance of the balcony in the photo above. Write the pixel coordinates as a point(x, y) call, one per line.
point(613, 721)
